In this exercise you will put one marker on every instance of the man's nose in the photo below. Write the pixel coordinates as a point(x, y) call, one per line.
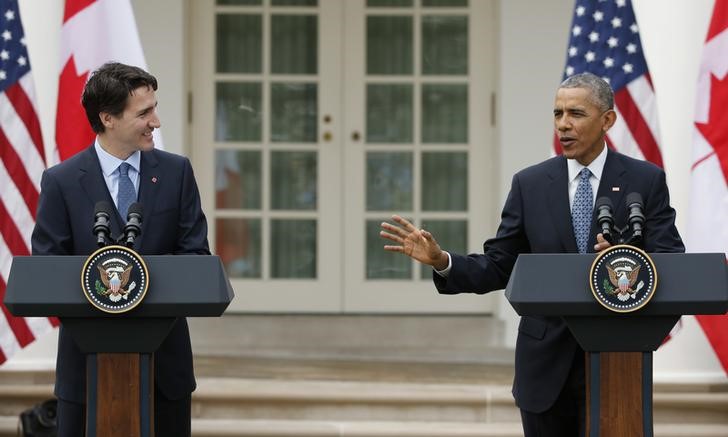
point(155, 122)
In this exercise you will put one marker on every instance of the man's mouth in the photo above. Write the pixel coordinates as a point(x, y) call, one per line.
point(567, 141)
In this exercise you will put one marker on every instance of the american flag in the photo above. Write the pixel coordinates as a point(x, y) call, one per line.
point(22, 160)
point(605, 40)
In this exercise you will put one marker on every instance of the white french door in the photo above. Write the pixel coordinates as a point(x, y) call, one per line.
point(313, 121)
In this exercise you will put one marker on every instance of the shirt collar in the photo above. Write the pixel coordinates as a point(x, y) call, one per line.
point(596, 167)
point(109, 163)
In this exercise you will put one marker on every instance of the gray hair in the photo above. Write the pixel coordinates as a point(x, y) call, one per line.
point(600, 92)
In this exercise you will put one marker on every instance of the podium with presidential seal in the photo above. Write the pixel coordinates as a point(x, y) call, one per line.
point(118, 306)
point(620, 305)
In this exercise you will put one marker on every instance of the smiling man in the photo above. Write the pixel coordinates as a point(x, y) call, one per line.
point(120, 168)
point(550, 210)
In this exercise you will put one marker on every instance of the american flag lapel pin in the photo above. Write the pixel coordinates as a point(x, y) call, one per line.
point(615, 189)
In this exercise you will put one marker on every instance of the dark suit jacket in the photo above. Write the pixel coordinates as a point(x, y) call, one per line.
point(536, 218)
point(173, 223)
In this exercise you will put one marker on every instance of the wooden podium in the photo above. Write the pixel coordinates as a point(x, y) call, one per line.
point(120, 385)
point(618, 346)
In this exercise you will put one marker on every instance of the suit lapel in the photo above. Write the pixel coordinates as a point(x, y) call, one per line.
point(150, 178)
point(92, 182)
point(613, 185)
point(558, 194)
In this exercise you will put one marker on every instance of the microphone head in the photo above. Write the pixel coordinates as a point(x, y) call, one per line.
point(604, 201)
point(102, 206)
point(135, 208)
point(634, 199)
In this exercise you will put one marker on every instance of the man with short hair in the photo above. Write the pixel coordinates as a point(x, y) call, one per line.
point(550, 210)
point(123, 166)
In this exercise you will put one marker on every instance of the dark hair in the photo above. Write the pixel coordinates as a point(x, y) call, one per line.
point(109, 88)
point(601, 93)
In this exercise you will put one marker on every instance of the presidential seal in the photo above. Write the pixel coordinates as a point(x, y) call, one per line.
point(623, 278)
point(114, 279)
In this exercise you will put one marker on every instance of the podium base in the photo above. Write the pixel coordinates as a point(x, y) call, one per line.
point(619, 394)
point(119, 395)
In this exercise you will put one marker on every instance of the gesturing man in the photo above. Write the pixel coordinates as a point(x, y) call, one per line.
point(550, 210)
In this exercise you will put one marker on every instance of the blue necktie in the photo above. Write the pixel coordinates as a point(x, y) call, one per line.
point(127, 193)
point(581, 211)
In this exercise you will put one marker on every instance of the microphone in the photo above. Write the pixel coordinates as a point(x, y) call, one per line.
point(102, 228)
point(636, 217)
point(605, 218)
point(133, 226)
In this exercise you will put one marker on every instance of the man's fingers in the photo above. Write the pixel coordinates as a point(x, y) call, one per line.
point(602, 243)
point(393, 229)
point(404, 223)
point(389, 236)
point(391, 248)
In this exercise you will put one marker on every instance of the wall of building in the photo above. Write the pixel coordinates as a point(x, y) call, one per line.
point(532, 47)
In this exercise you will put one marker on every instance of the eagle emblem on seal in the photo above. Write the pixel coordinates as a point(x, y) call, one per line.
point(115, 279)
point(624, 279)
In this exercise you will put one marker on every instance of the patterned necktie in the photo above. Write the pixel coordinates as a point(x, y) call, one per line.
point(127, 193)
point(581, 211)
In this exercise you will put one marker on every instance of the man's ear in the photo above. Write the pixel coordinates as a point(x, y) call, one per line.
point(106, 119)
point(609, 118)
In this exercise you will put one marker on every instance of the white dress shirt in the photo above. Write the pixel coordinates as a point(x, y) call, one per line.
point(110, 169)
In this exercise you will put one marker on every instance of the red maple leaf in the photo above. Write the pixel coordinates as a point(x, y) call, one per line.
point(715, 130)
point(73, 132)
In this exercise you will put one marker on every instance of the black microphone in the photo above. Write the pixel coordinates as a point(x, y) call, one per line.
point(102, 228)
point(636, 217)
point(604, 217)
point(133, 226)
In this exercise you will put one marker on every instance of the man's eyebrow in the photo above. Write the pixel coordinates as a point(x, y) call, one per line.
point(147, 109)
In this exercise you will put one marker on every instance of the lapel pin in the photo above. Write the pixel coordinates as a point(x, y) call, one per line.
point(154, 179)
point(615, 188)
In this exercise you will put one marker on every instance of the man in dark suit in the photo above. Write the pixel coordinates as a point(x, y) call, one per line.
point(550, 210)
point(122, 166)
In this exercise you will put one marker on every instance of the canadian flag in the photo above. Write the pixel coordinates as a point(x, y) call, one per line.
point(708, 214)
point(93, 32)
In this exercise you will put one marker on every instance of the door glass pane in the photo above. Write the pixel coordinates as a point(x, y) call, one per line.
point(389, 181)
point(445, 3)
point(293, 180)
point(294, 2)
point(444, 113)
point(239, 42)
point(389, 113)
point(294, 42)
point(238, 115)
point(452, 235)
point(389, 45)
point(382, 264)
point(294, 112)
point(444, 45)
point(237, 179)
point(389, 3)
point(444, 181)
point(293, 248)
point(237, 242)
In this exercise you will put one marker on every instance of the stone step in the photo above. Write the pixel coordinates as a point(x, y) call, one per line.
point(236, 398)
point(224, 398)
point(298, 428)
